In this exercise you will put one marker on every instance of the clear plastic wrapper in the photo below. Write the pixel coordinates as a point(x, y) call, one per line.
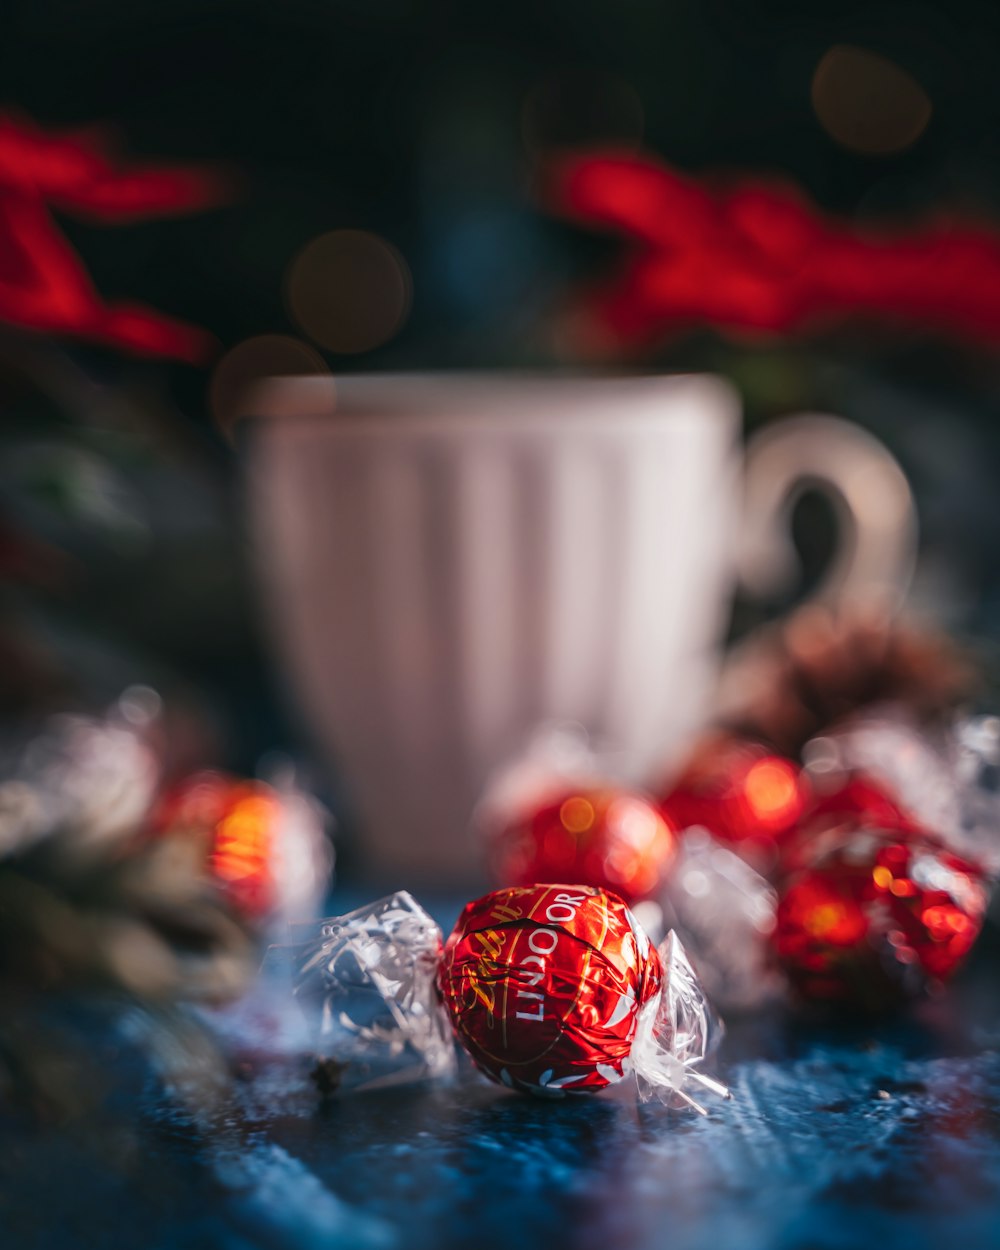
point(947, 777)
point(365, 982)
point(886, 744)
point(677, 1032)
point(724, 911)
point(974, 753)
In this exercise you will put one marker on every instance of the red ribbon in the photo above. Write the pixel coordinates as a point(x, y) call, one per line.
point(44, 285)
point(758, 258)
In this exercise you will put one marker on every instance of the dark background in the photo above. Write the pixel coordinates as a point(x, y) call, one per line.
point(408, 119)
point(427, 124)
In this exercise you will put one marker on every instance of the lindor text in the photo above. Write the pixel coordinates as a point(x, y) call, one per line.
point(541, 943)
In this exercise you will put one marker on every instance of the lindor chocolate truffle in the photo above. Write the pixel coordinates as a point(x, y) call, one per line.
point(551, 989)
point(873, 908)
point(556, 813)
point(544, 985)
point(263, 844)
point(605, 835)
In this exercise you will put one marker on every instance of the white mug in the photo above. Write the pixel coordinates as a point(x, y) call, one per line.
point(449, 560)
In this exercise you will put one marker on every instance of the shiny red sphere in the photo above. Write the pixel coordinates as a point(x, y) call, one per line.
point(234, 820)
point(544, 985)
point(739, 791)
point(601, 836)
point(871, 907)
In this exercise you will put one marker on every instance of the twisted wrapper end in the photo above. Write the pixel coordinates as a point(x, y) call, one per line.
point(367, 986)
point(677, 1031)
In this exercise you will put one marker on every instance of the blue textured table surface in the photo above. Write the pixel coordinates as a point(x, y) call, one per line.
point(885, 1136)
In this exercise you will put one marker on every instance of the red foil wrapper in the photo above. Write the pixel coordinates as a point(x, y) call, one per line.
point(739, 791)
point(544, 985)
point(872, 908)
point(598, 835)
point(235, 822)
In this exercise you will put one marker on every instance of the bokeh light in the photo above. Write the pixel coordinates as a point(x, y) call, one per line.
point(242, 851)
point(238, 373)
point(349, 291)
point(824, 911)
point(771, 790)
point(577, 814)
point(867, 103)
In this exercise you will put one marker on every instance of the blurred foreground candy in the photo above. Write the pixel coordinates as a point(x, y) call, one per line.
point(872, 908)
point(94, 776)
point(738, 790)
point(724, 910)
point(88, 903)
point(546, 987)
point(366, 982)
point(265, 846)
point(599, 836)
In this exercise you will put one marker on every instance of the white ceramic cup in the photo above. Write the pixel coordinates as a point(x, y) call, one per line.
point(448, 561)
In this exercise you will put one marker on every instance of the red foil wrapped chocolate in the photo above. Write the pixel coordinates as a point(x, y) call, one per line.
point(739, 791)
point(872, 908)
point(544, 985)
point(235, 821)
point(598, 835)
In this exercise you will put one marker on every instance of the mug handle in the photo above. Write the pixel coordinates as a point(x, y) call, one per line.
point(876, 516)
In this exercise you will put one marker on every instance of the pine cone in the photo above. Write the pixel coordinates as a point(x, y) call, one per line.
point(792, 681)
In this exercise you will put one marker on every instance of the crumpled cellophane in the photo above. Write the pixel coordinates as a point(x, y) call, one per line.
point(677, 1031)
point(366, 984)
